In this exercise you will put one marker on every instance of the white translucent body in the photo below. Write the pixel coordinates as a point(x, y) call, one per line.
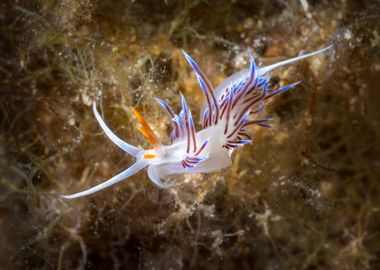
point(167, 158)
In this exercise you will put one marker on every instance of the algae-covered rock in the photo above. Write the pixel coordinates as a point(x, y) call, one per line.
point(303, 195)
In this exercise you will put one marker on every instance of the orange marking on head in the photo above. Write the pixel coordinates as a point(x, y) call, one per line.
point(150, 156)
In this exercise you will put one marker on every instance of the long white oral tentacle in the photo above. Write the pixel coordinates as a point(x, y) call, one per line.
point(130, 149)
point(140, 164)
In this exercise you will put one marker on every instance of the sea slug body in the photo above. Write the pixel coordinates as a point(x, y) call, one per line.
point(227, 114)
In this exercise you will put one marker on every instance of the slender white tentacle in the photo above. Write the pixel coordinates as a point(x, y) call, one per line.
point(238, 76)
point(140, 164)
point(130, 149)
point(266, 69)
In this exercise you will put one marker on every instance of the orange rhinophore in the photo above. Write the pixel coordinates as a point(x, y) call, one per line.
point(146, 130)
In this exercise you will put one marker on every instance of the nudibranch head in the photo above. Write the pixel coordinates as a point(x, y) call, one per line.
point(225, 117)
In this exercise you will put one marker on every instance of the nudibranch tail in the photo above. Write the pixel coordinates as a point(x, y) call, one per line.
point(266, 69)
point(239, 76)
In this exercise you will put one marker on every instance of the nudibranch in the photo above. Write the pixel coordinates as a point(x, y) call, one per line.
point(228, 112)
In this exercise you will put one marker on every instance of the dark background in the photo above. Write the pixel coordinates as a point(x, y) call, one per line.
point(304, 195)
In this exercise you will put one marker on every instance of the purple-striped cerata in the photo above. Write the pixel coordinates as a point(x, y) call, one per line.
point(229, 110)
